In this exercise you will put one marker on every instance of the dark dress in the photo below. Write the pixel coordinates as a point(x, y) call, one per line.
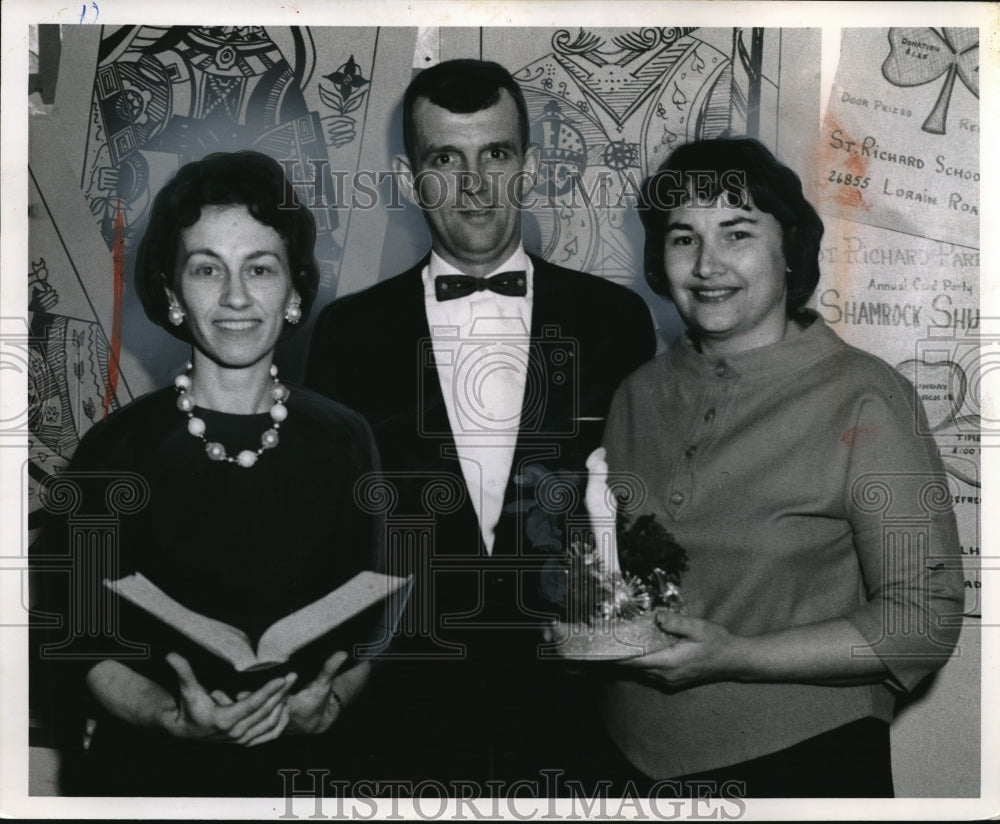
point(245, 546)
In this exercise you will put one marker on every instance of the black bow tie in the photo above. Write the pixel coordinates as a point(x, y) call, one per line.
point(449, 287)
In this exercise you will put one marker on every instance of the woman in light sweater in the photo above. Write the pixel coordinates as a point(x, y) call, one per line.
point(792, 467)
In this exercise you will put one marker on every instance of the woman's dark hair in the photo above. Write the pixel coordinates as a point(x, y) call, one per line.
point(244, 178)
point(733, 168)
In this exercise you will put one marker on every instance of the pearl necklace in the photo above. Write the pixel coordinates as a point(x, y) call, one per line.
point(215, 450)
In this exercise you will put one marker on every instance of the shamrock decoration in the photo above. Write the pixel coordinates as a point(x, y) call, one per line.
point(919, 56)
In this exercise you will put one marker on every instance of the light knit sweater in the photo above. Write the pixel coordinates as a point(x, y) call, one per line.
point(797, 478)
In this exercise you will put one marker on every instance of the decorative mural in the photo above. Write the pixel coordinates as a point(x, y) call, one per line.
point(186, 92)
point(607, 108)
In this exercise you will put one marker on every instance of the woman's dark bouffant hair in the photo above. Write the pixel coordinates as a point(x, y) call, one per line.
point(734, 166)
point(242, 178)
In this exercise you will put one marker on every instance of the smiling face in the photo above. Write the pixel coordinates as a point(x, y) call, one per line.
point(232, 281)
point(469, 172)
point(725, 267)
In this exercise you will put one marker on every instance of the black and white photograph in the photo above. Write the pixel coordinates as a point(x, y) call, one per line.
point(534, 410)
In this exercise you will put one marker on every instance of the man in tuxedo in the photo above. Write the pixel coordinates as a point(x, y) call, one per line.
point(482, 370)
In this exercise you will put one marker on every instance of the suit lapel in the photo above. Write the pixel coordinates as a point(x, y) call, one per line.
point(539, 416)
point(548, 410)
point(411, 360)
point(553, 414)
point(431, 427)
point(433, 423)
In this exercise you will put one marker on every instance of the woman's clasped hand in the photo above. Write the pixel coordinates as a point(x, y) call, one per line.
point(252, 718)
point(701, 652)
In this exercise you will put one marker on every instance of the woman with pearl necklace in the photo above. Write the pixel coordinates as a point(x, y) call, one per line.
point(250, 512)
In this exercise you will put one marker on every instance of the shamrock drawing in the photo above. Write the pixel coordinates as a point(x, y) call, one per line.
point(919, 56)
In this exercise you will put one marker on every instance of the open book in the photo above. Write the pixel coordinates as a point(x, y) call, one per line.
point(283, 637)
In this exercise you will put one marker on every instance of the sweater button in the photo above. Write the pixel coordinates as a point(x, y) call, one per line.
point(710, 415)
point(689, 452)
point(677, 498)
point(720, 370)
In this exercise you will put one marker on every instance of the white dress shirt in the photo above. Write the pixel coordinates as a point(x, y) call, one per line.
point(480, 345)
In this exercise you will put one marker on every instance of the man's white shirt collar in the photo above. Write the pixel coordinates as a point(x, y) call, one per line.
point(479, 329)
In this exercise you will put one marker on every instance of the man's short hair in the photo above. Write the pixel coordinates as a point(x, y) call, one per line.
point(463, 87)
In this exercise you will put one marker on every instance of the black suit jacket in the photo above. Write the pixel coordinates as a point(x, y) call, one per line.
point(371, 351)
point(462, 691)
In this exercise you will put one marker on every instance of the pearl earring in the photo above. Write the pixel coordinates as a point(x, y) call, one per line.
point(175, 314)
point(293, 314)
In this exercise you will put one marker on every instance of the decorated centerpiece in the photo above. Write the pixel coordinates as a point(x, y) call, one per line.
point(609, 578)
point(612, 597)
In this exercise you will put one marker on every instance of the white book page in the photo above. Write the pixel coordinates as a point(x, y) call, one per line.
point(224, 640)
point(294, 631)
